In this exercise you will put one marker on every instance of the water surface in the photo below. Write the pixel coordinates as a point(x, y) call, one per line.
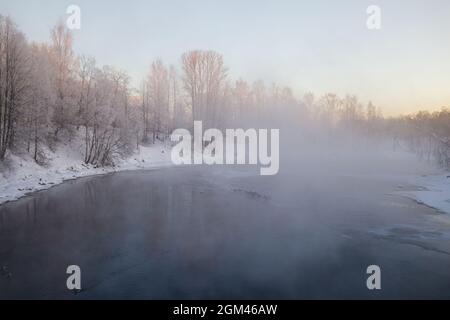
point(223, 233)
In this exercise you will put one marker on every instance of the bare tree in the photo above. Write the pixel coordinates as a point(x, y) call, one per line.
point(62, 56)
point(158, 87)
point(12, 80)
point(204, 77)
point(39, 97)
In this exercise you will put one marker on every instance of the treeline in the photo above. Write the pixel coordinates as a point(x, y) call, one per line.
point(48, 95)
point(427, 134)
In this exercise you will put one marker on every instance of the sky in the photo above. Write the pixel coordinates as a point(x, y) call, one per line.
point(318, 46)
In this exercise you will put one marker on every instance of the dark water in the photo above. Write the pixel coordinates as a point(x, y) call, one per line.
point(222, 233)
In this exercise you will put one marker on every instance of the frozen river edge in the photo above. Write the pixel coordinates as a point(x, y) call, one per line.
point(24, 176)
point(431, 190)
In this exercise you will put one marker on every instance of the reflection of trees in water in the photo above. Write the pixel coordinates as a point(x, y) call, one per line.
point(90, 191)
point(31, 211)
point(20, 214)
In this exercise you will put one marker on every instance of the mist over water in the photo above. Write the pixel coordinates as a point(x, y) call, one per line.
point(226, 232)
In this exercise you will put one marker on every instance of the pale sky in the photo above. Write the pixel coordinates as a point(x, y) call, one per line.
point(319, 46)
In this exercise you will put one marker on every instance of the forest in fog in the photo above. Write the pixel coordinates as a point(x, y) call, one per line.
point(49, 95)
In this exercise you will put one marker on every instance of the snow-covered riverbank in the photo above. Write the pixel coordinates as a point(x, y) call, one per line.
point(20, 175)
point(432, 190)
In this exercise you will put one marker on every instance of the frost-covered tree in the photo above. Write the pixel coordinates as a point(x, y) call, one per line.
point(158, 93)
point(13, 80)
point(62, 59)
point(204, 76)
point(35, 116)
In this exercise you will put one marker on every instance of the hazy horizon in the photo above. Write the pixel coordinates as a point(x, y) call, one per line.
point(319, 47)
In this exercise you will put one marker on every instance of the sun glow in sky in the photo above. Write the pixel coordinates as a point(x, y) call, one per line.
point(319, 46)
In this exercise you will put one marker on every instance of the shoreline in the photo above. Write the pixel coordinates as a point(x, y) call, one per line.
point(24, 177)
point(49, 186)
point(431, 190)
point(21, 181)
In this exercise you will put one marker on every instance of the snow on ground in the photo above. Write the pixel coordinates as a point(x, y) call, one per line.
point(433, 191)
point(21, 175)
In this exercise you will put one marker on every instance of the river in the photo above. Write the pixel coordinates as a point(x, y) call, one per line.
point(224, 233)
